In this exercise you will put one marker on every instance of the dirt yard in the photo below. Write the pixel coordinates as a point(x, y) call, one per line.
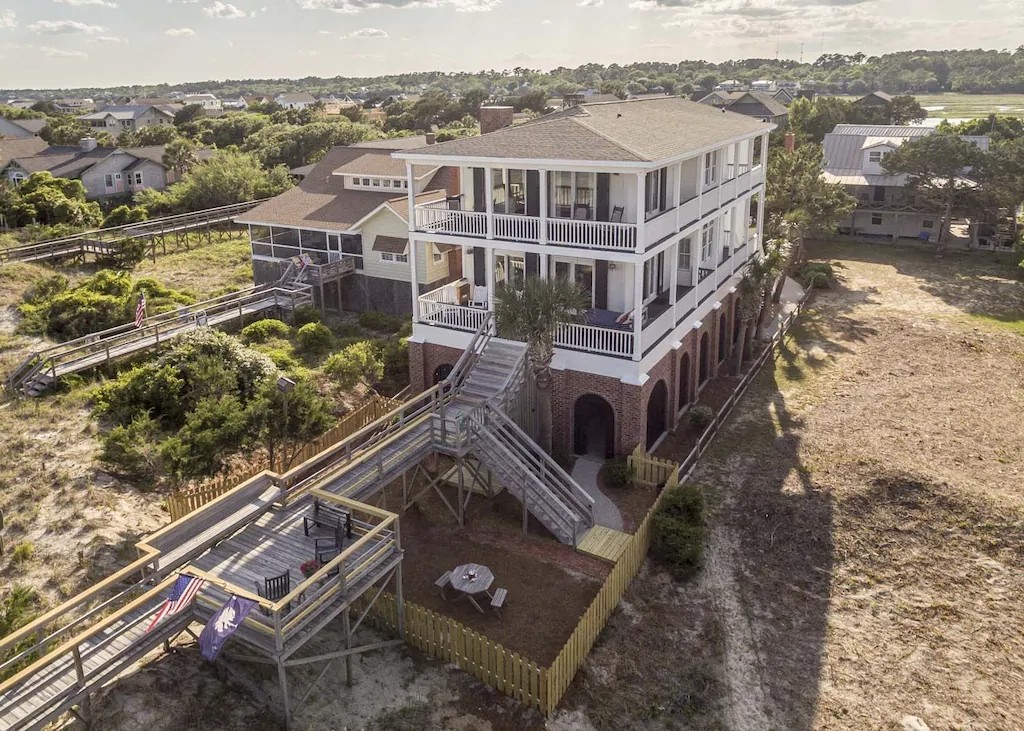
point(866, 554)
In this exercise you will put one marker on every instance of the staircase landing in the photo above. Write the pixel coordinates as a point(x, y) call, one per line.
point(604, 543)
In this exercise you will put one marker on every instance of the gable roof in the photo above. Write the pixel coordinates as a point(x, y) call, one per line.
point(374, 163)
point(321, 201)
point(390, 244)
point(23, 147)
point(32, 126)
point(640, 131)
point(69, 161)
point(295, 98)
point(126, 111)
point(759, 103)
point(875, 96)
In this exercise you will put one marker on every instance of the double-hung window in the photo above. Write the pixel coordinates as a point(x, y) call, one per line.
point(108, 181)
point(707, 241)
point(710, 167)
point(138, 178)
point(684, 254)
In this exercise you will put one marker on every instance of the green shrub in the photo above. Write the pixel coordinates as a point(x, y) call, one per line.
point(817, 275)
point(620, 474)
point(381, 322)
point(677, 537)
point(214, 430)
point(395, 356)
point(314, 338)
point(358, 363)
point(17, 608)
point(349, 330)
point(406, 329)
point(151, 388)
point(263, 330)
point(22, 553)
point(132, 450)
point(282, 359)
point(305, 315)
point(700, 417)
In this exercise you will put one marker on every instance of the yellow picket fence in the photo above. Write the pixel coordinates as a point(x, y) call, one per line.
point(449, 640)
point(183, 502)
point(650, 471)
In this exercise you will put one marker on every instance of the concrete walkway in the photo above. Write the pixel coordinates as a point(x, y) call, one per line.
point(791, 294)
point(585, 473)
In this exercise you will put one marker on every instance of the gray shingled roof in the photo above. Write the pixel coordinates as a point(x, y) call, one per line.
point(374, 163)
point(321, 201)
point(390, 244)
point(23, 147)
point(394, 143)
point(644, 130)
point(760, 104)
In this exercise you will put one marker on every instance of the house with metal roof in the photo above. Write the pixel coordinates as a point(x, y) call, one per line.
point(348, 216)
point(886, 209)
point(653, 207)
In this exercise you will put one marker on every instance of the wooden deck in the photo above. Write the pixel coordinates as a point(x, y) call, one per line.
point(604, 543)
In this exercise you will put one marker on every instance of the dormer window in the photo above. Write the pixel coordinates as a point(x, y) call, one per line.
point(378, 182)
point(875, 156)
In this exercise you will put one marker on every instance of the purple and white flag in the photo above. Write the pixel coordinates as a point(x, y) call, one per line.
point(222, 625)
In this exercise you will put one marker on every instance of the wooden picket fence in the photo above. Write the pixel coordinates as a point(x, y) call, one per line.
point(649, 471)
point(183, 502)
point(448, 640)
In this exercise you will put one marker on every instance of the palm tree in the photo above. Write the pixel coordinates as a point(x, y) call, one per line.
point(756, 297)
point(180, 156)
point(533, 313)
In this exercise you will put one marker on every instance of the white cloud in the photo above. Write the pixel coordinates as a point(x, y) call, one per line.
point(107, 39)
point(63, 27)
point(546, 21)
point(76, 3)
point(326, 32)
point(355, 6)
point(61, 53)
point(589, 3)
point(179, 32)
point(224, 10)
point(183, 2)
point(8, 19)
point(368, 33)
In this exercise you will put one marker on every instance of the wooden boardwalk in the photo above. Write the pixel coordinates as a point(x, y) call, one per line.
point(604, 543)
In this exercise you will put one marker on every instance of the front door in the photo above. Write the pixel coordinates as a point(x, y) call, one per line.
point(879, 195)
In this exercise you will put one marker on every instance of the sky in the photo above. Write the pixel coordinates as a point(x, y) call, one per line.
point(96, 43)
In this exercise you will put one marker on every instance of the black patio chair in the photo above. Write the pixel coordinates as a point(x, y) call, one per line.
point(275, 588)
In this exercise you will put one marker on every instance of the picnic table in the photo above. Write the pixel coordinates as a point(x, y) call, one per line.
point(471, 579)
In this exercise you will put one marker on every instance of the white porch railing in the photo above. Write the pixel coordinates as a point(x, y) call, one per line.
point(743, 183)
point(657, 329)
point(727, 191)
point(437, 218)
point(657, 228)
point(599, 340)
point(456, 317)
point(516, 228)
point(690, 212)
point(592, 234)
point(756, 175)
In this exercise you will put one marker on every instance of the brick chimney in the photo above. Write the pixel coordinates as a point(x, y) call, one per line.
point(790, 142)
point(495, 118)
point(431, 138)
point(88, 144)
point(453, 182)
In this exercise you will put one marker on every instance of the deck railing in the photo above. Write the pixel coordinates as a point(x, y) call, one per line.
point(592, 339)
point(516, 228)
point(438, 218)
point(592, 234)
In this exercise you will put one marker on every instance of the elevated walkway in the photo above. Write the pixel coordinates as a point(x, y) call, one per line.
point(105, 240)
point(40, 370)
point(256, 531)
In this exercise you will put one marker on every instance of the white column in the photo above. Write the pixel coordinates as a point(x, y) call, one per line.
point(760, 222)
point(489, 192)
point(638, 306)
point(677, 191)
point(413, 279)
point(700, 188)
point(641, 211)
point(764, 152)
point(543, 266)
point(544, 210)
point(673, 280)
point(489, 269)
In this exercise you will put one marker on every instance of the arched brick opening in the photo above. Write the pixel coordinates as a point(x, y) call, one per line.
point(593, 421)
point(684, 381)
point(441, 372)
point(657, 410)
point(705, 359)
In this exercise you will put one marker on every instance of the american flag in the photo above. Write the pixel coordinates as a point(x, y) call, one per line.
point(182, 594)
point(140, 310)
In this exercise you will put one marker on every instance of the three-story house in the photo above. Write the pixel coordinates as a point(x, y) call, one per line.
point(652, 206)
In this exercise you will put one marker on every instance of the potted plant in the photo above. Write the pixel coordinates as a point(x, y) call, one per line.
point(310, 567)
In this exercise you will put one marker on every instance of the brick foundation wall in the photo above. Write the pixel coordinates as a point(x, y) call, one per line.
point(424, 359)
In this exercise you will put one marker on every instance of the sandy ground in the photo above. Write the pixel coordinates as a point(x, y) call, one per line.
point(865, 553)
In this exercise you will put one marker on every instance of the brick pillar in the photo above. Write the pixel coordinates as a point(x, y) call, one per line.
point(495, 118)
point(416, 374)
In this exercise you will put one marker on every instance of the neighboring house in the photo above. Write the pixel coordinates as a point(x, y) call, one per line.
point(247, 101)
point(207, 101)
point(729, 85)
point(874, 100)
point(23, 147)
point(75, 106)
point(157, 101)
point(16, 129)
point(349, 214)
point(784, 96)
point(21, 103)
point(653, 207)
point(886, 209)
point(755, 104)
point(762, 85)
point(106, 173)
point(300, 100)
point(132, 117)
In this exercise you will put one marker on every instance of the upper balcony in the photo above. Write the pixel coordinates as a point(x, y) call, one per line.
point(595, 211)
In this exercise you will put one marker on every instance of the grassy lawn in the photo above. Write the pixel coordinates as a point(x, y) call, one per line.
point(206, 270)
point(865, 556)
point(968, 106)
